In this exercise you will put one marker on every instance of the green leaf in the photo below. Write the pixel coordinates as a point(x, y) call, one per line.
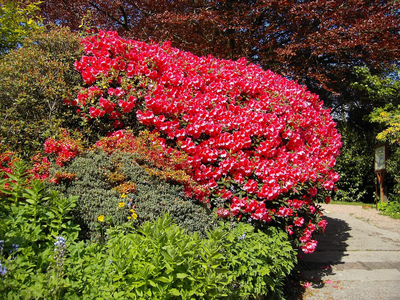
point(174, 292)
point(181, 275)
point(164, 279)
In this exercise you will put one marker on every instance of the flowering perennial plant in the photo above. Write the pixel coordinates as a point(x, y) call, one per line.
point(261, 146)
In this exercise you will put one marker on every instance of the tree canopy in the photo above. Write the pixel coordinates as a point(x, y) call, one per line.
point(15, 23)
point(317, 43)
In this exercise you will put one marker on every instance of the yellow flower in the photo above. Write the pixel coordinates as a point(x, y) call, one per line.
point(134, 215)
point(100, 218)
point(123, 195)
point(121, 204)
point(129, 218)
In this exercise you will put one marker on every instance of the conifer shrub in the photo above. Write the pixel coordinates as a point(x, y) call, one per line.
point(103, 182)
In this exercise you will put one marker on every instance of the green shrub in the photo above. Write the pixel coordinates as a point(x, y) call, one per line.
point(161, 261)
point(40, 256)
point(30, 220)
point(98, 177)
point(34, 82)
point(259, 261)
point(22, 199)
point(393, 167)
point(158, 261)
point(355, 164)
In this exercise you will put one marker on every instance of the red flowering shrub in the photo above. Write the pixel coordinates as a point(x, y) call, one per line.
point(262, 145)
point(64, 148)
point(7, 160)
point(40, 167)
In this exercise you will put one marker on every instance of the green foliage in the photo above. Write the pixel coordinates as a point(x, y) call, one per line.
point(385, 90)
point(16, 23)
point(259, 261)
point(389, 117)
point(391, 209)
point(393, 167)
point(34, 81)
point(23, 199)
point(40, 256)
point(161, 261)
point(30, 220)
point(96, 176)
point(157, 261)
point(355, 163)
point(382, 88)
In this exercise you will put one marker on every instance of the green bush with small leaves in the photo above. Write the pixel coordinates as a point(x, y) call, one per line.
point(98, 177)
point(34, 81)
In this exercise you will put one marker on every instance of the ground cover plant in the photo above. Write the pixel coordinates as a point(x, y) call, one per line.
point(103, 182)
point(262, 147)
point(391, 209)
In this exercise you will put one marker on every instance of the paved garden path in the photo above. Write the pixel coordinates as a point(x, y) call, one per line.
point(357, 258)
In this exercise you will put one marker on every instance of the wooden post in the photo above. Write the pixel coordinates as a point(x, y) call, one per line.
point(380, 167)
point(381, 177)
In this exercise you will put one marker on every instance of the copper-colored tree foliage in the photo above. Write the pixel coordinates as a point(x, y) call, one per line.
point(317, 43)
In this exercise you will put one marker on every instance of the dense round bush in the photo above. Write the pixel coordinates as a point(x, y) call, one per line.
point(262, 146)
point(113, 185)
point(34, 81)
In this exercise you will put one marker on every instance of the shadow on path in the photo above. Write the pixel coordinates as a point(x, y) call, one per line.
point(331, 248)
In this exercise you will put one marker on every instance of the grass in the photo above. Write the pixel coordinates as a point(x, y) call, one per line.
point(352, 203)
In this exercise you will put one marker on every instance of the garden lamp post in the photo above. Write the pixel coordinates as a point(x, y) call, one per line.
point(380, 167)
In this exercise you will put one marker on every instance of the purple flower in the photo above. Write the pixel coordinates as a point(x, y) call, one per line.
point(60, 242)
point(3, 270)
point(14, 247)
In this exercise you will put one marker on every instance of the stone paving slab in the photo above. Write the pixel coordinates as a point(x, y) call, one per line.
point(361, 275)
point(396, 264)
point(352, 256)
point(351, 265)
point(348, 265)
point(354, 290)
point(377, 265)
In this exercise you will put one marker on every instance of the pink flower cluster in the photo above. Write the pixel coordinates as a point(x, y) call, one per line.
point(255, 139)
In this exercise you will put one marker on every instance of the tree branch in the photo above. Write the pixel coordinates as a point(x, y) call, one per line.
point(123, 24)
point(121, 8)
